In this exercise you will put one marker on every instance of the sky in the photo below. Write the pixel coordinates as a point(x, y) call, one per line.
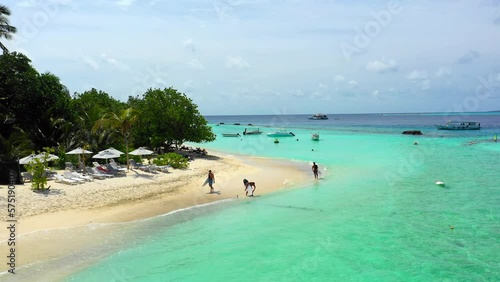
point(272, 56)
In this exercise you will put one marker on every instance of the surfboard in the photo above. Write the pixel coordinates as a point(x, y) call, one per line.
point(205, 183)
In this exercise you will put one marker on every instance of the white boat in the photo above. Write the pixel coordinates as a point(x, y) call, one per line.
point(318, 116)
point(231, 134)
point(315, 137)
point(439, 183)
point(281, 133)
point(252, 132)
point(460, 125)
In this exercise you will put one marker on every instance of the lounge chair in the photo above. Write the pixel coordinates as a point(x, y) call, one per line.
point(94, 173)
point(69, 175)
point(62, 179)
point(117, 168)
point(81, 176)
point(27, 176)
point(136, 165)
point(69, 166)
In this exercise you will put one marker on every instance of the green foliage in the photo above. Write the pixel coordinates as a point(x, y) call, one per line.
point(120, 123)
point(37, 104)
point(169, 117)
point(90, 106)
point(6, 30)
point(37, 168)
point(123, 158)
point(173, 159)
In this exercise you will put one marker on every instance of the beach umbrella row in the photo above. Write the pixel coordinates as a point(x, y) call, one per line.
point(41, 157)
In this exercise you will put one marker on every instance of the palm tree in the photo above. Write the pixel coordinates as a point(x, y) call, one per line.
point(6, 30)
point(122, 123)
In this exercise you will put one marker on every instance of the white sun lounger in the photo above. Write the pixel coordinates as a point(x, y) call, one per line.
point(62, 179)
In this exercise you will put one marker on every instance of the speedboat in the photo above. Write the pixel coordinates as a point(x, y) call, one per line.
point(315, 137)
point(252, 132)
point(460, 125)
point(318, 116)
point(281, 133)
point(231, 134)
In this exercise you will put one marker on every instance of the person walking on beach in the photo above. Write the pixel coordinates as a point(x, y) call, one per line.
point(315, 170)
point(211, 180)
point(249, 187)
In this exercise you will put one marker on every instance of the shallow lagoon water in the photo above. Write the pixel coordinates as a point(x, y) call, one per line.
point(376, 214)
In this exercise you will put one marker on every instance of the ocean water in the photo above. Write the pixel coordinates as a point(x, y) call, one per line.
point(375, 214)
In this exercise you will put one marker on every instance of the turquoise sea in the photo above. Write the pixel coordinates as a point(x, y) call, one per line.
point(375, 215)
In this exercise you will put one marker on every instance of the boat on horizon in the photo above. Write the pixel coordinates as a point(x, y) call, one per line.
point(460, 125)
point(318, 116)
point(281, 133)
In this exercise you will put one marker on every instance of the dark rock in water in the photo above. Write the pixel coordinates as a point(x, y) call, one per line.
point(237, 123)
point(412, 132)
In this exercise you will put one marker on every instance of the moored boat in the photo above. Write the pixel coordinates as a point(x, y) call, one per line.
point(281, 133)
point(460, 125)
point(231, 134)
point(252, 132)
point(315, 137)
point(318, 116)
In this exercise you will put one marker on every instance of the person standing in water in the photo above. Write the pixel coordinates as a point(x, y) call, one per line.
point(315, 170)
point(211, 180)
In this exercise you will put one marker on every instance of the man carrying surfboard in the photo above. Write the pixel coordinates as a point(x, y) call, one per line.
point(211, 180)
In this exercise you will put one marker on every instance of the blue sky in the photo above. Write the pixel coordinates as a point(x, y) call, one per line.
point(272, 57)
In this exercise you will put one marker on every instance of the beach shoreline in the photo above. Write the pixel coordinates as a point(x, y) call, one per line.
point(137, 196)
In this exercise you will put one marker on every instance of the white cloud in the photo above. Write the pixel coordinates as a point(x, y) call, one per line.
point(188, 86)
point(189, 44)
point(382, 66)
point(339, 78)
point(195, 64)
point(115, 63)
point(124, 3)
point(469, 57)
point(417, 75)
point(443, 71)
point(322, 85)
point(425, 84)
point(91, 63)
point(298, 93)
point(236, 63)
point(353, 83)
point(376, 93)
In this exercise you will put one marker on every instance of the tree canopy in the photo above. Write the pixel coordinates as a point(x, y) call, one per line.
point(169, 117)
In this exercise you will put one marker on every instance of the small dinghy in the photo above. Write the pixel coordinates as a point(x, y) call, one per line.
point(439, 183)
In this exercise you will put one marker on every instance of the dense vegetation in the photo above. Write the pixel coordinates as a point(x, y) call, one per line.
point(37, 111)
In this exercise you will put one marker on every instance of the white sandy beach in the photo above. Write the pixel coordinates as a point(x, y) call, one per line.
point(137, 195)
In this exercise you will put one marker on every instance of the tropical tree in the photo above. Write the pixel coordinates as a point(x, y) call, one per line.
point(169, 117)
point(6, 30)
point(90, 106)
point(121, 123)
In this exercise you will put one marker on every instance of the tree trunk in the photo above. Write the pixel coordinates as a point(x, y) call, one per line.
point(126, 151)
point(5, 50)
